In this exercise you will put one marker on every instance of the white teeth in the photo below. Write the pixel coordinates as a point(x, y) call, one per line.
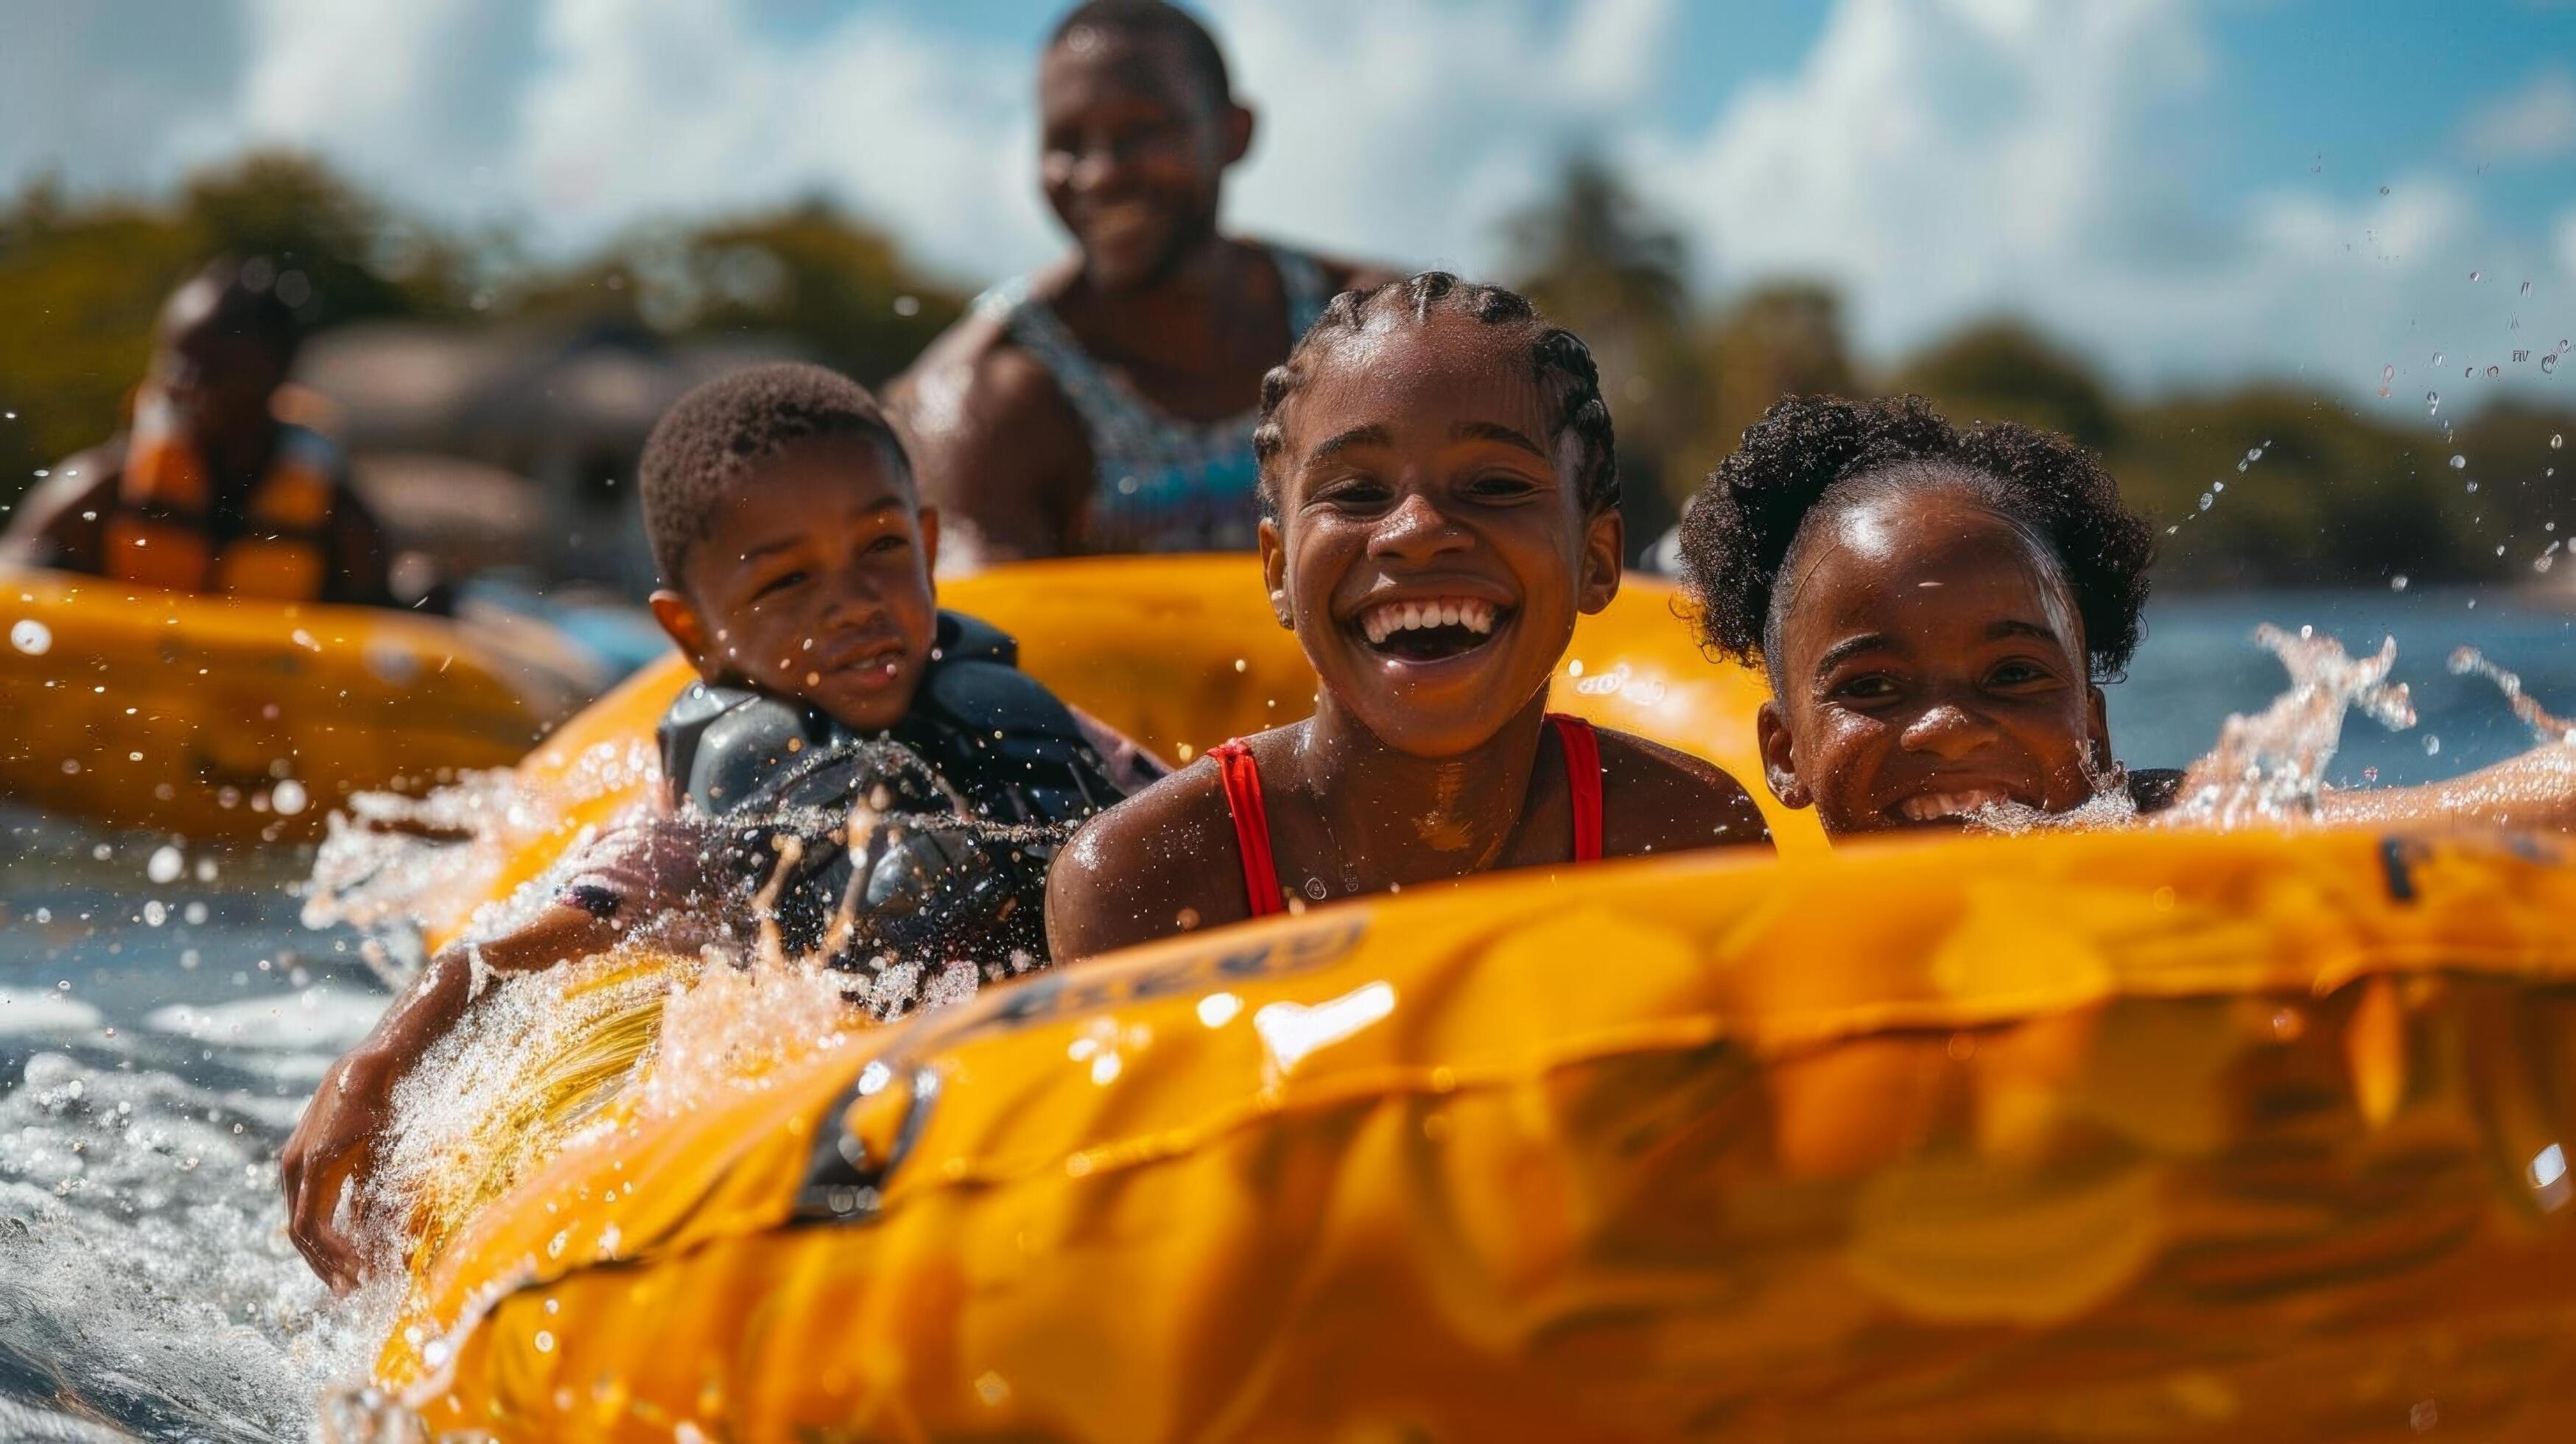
point(1933, 806)
point(1382, 622)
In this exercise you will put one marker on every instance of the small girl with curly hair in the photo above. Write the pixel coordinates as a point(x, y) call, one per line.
point(1938, 610)
point(1440, 501)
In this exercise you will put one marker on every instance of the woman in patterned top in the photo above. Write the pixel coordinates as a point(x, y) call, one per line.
point(1106, 403)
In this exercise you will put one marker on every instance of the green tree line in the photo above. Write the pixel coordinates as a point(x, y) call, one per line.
point(2261, 484)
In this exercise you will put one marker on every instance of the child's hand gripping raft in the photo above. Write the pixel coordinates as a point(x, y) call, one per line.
point(1440, 487)
point(878, 773)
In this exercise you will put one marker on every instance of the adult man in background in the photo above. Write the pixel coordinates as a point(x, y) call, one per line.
point(1106, 403)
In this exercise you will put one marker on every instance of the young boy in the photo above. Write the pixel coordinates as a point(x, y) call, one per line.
point(832, 692)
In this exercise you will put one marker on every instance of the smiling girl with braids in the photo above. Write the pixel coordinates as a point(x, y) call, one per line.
point(1441, 500)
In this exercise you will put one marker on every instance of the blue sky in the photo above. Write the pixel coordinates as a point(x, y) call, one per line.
point(2190, 191)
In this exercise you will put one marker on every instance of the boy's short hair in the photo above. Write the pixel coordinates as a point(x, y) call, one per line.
point(1155, 20)
point(717, 434)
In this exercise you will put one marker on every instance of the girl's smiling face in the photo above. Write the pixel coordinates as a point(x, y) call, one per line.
point(1929, 661)
point(1431, 548)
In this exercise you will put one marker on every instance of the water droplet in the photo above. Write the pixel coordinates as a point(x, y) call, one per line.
point(545, 1341)
point(2437, 358)
point(2383, 190)
point(287, 797)
point(2477, 275)
point(2387, 373)
point(36, 639)
point(2494, 371)
point(2548, 1166)
point(2370, 774)
point(2218, 486)
point(2557, 439)
point(2397, 583)
point(2432, 403)
point(2206, 499)
point(2459, 463)
point(2548, 364)
point(2432, 745)
point(2472, 488)
point(165, 866)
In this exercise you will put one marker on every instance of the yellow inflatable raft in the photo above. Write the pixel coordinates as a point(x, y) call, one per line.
point(217, 718)
point(2135, 1136)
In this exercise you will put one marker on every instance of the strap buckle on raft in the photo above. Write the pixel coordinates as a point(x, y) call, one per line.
point(844, 1183)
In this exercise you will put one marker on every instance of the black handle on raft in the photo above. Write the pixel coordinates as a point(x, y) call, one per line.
point(842, 1183)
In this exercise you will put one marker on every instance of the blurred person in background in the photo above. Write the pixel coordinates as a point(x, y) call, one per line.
point(208, 490)
point(1106, 403)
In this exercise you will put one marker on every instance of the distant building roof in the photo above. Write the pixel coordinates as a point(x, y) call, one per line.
point(497, 390)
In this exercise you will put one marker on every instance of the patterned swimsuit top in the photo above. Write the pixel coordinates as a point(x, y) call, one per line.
point(1162, 484)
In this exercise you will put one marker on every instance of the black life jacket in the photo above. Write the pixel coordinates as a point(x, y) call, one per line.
point(983, 741)
point(1006, 749)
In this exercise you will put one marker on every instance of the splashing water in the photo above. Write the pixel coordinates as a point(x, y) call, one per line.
point(2270, 766)
point(148, 1074)
point(2546, 730)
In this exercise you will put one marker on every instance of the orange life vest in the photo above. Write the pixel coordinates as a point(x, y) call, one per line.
point(161, 533)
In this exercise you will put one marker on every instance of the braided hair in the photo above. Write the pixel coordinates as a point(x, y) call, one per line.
point(1559, 362)
point(1812, 455)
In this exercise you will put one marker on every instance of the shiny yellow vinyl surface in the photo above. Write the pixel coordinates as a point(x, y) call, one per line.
point(2110, 1136)
point(2117, 1136)
point(186, 714)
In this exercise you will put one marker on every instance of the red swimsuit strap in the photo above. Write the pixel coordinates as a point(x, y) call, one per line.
point(1243, 803)
point(1582, 781)
point(1262, 889)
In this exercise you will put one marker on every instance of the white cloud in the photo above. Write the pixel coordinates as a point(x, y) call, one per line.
point(682, 107)
point(1404, 133)
point(2537, 122)
point(1936, 159)
point(1944, 159)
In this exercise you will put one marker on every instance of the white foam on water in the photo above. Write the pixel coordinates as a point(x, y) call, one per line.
point(39, 1014)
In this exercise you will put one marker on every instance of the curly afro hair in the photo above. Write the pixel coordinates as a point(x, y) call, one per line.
point(1558, 360)
point(715, 435)
point(1811, 454)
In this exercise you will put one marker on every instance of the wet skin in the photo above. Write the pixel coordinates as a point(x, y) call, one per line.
point(1931, 660)
point(821, 544)
point(1420, 470)
point(815, 584)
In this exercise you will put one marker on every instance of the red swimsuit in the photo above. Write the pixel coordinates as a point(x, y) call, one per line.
point(1261, 884)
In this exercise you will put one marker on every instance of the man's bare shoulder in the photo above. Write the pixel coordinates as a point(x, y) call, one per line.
point(975, 378)
point(1162, 862)
point(1660, 799)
